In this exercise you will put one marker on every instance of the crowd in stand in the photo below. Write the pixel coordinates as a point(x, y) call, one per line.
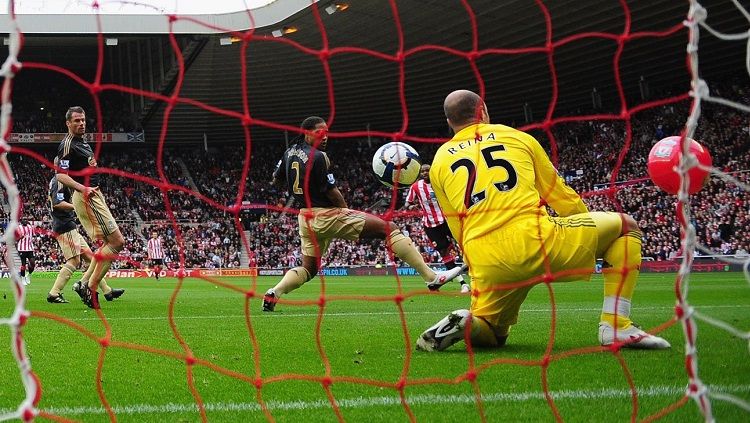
point(587, 154)
point(46, 113)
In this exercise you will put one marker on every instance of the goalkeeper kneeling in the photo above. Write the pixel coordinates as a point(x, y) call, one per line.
point(494, 184)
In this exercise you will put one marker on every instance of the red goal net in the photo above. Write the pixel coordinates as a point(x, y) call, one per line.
point(597, 117)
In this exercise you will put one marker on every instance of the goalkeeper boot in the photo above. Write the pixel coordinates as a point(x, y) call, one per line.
point(115, 293)
point(444, 333)
point(269, 300)
point(441, 278)
point(631, 337)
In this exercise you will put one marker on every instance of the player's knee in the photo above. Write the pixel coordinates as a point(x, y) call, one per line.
point(378, 228)
point(629, 224)
point(117, 242)
point(311, 265)
point(311, 271)
point(75, 261)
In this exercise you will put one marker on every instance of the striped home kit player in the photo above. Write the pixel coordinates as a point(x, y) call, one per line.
point(25, 247)
point(433, 221)
point(75, 155)
point(155, 253)
point(493, 183)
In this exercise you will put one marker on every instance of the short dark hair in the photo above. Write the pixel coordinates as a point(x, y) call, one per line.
point(464, 110)
point(74, 109)
point(310, 123)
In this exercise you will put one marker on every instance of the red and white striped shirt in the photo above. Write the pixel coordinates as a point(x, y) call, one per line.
point(154, 249)
point(25, 238)
point(432, 214)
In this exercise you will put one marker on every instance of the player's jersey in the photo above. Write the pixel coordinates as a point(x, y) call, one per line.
point(155, 251)
point(422, 192)
point(302, 181)
point(489, 175)
point(25, 238)
point(62, 220)
point(75, 154)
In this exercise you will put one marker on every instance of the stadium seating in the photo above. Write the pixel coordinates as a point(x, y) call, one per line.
point(587, 153)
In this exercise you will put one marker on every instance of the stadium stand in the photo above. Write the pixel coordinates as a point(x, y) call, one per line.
point(721, 213)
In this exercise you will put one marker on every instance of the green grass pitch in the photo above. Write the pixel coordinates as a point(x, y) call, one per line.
point(364, 348)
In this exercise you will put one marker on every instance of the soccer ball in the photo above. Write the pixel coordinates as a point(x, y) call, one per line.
point(397, 164)
point(664, 159)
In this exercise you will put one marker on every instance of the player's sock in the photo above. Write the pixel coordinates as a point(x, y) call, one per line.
point(22, 271)
point(405, 250)
point(482, 334)
point(102, 267)
point(66, 271)
point(623, 259)
point(104, 286)
point(88, 272)
point(450, 330)
point(293, 279)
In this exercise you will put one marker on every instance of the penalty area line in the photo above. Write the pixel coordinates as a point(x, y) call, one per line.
point(365, 402)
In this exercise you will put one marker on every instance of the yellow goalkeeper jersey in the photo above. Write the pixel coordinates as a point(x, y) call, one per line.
point(489, 175)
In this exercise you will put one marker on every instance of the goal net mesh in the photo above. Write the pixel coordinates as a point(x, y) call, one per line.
point(626, 158)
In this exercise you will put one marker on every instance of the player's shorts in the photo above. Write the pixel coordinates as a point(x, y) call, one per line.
point(440, 235)
point(157, 262)
point(321, 225)
point(71, 243)
point(26, 255)
point(505, 264)
point(94, 215)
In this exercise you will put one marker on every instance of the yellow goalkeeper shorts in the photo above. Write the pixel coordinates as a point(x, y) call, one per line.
point(505, 264)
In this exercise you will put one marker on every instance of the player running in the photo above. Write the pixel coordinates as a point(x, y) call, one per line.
point(73, 247)
point(76, 155)
point(421, 195)
point(324, 215)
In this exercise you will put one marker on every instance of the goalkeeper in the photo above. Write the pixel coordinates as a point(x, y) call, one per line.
point(493, 183)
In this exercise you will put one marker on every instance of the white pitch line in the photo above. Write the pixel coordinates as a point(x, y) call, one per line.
point(388, 313)
point(388, 401)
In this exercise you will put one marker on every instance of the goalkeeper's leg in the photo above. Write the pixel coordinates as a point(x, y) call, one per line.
point(456, 327)
point(620, 247)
